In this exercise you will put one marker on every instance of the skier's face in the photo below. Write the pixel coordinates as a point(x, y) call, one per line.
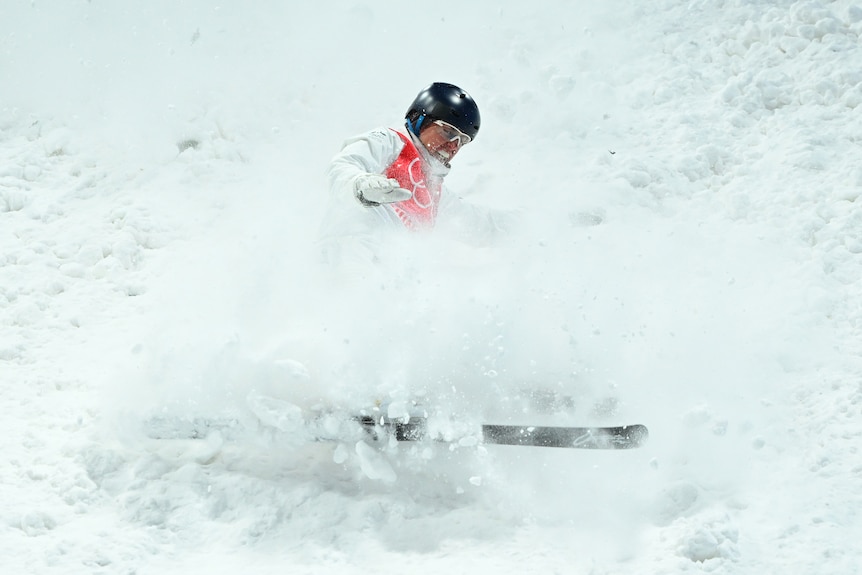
point(443, 140)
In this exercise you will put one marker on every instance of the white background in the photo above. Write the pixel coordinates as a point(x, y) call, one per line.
point(687, 257)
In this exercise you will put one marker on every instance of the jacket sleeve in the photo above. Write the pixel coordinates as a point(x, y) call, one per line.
point(369, 153)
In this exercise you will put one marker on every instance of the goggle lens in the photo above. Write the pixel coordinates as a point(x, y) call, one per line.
point(451, 133)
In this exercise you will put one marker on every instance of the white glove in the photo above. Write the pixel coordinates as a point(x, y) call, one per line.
point(374, 189)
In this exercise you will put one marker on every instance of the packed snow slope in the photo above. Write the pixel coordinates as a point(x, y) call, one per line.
point(687, 256)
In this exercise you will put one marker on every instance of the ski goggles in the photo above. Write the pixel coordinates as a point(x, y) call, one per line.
point(451, 133)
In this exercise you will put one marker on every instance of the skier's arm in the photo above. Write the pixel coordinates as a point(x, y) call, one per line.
point(356, 172)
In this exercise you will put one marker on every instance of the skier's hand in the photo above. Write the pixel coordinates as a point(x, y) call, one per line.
point(374, 189)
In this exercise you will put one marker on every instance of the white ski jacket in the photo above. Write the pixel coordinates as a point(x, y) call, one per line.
point(351, 226)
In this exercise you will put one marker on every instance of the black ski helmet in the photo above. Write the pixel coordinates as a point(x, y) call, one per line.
point(446, 102)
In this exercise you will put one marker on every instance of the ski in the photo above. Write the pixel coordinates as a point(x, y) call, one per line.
point(618, 437)
point(411, 429)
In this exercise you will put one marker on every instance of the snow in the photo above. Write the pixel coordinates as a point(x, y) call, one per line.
point(688, 257)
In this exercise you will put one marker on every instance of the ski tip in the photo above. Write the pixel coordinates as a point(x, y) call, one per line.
point(633, 436)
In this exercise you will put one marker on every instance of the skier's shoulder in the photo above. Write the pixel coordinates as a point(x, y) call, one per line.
point(382, 137)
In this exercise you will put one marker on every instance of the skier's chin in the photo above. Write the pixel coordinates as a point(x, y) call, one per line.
point(443, 157)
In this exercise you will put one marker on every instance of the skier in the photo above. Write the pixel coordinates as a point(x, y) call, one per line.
point(389, 179)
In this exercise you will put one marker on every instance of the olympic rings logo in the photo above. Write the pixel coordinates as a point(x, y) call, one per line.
point(418, 184)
